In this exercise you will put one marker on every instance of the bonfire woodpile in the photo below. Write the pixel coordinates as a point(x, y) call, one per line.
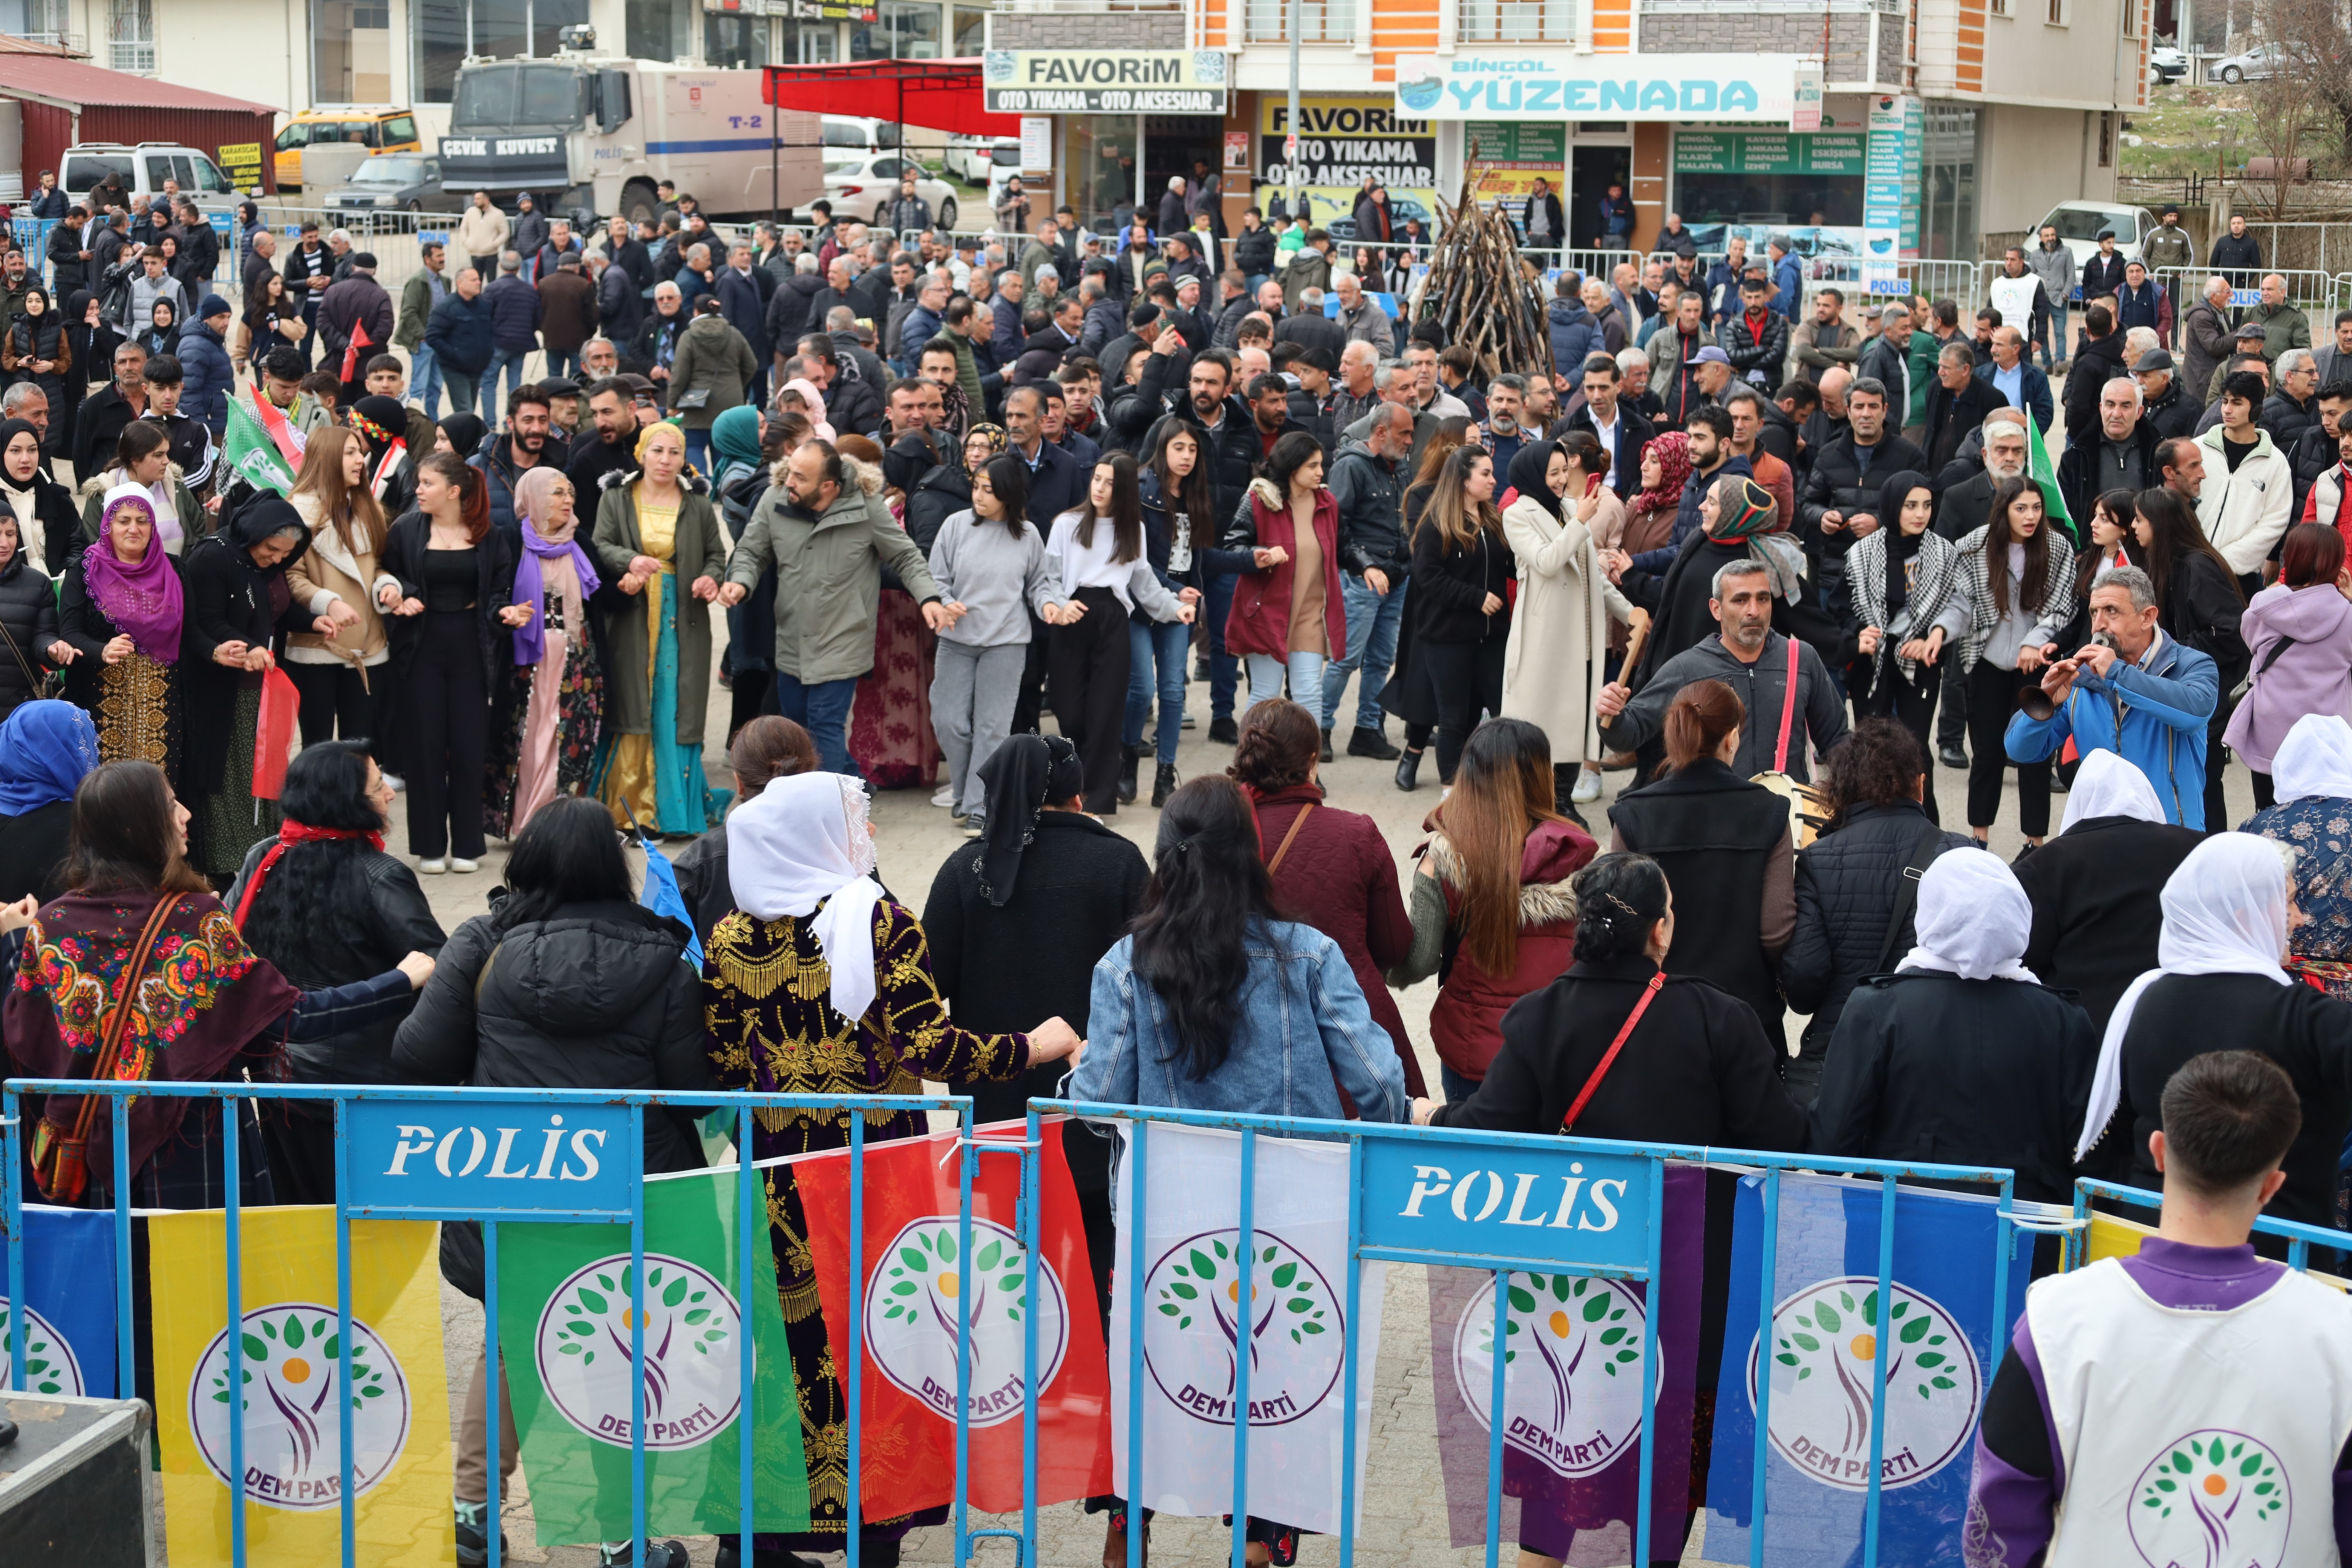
point(1480, 293)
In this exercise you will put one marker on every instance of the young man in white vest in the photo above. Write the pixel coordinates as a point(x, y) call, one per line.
point(2193, 1402)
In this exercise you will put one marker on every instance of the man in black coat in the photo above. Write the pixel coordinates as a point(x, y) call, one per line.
point(2098, 359)
point(2103, 275)
point(1844, 481)
point(852, 407)
point(1957, 404)
point(1310, 328)
point(1617, 425)
point(2121, 456)
point(2165, 401)
point(2292, 406)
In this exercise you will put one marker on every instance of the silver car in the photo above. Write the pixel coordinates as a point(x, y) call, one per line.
point(389, 183)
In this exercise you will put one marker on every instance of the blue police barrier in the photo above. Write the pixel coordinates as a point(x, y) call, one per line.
point(1501, 1203)
point(2300, 1237)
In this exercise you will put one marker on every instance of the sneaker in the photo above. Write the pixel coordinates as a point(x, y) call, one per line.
point(432, 868)
point(394, 782)
point(474, 1536)
point(1225, 732)
point(459, 863)
point(658, 1554)
point(1189, 722)
point(943, 795)
point(1588, 787)
point(1370, 742)
point(974, 826)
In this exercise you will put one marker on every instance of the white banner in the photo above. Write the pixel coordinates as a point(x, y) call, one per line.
point(1195, 1328)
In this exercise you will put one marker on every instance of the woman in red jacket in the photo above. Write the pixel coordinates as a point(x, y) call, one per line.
point(1494, 912)
point(1287, 616)
point(1331, 869)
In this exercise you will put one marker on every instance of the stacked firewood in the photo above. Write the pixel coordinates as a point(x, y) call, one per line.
point(1480, 293)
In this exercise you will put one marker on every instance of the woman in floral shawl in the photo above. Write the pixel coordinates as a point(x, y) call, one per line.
point(206, 1008)
point(547, 746)
point(821, 984)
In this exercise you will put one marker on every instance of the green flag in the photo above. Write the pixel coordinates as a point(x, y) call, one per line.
point(246, 448)
point(563, 1331)
point(2044, 474)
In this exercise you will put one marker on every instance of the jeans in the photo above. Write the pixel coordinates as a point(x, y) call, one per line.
point(1306, 672)
point(1165, 644)
point(425, 381)
point(1373, 621)
point(561, 364)
point(1224, 669)
point(494, 407)
point(822, 708)
point(972, 693)
point(2052, 330)
point(1457, 1088)
point(697, 450)
point(464, 394)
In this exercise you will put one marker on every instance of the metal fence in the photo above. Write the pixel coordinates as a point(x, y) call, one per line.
point(1385, 1164)
point(2300, 1238)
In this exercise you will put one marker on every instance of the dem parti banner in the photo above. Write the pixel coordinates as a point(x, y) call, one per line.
point(1342, 138)
point(1573, 1388)
point(1938, 1335)
point(1199, 1321)
point(918, 1279)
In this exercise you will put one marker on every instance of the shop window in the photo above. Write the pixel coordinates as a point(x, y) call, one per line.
point(1805, 200)
point(1517, 21)
point(131, 36)
point(971, 32)
point(350, 51)
point(659, 29)
point(901, 30)
point(1319, 21)
point(500, 29)
point(733, 42)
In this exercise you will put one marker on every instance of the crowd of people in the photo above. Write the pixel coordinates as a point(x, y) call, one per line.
point(939, 495)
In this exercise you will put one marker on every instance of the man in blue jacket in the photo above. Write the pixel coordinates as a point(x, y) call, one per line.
point(1788, 277)
point(208, 377)
point(515, 310)
point(459, 333)
point(2146, 697)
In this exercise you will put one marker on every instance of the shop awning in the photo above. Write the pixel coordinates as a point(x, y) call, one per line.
point(938, 95)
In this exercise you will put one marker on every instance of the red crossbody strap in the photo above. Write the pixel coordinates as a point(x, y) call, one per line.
point(1657, 983)
point(1787, 712)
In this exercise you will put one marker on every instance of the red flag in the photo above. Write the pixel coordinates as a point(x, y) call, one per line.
point(359, 340)
point(274, 732)
point(915, 1278)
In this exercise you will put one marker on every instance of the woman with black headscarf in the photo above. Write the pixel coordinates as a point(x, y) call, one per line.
point(1555, 661)
point(92, 339)
point(38, 348)
point(458, 433)
point(48, 527)
point(237, 607)
point(1897, 578)
point(1015, 923)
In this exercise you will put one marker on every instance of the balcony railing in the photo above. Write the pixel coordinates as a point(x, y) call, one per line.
point(1518, 21)
point(1319, 21)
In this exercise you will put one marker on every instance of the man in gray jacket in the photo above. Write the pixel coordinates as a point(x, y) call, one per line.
point(829, 536)
point(2053, 263)
point(1751, 658)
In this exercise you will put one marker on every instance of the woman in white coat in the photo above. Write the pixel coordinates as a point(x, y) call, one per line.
point(1554, 666)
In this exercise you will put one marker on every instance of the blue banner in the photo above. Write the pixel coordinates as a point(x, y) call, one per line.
point(66, 1306)
point(1828, 1331)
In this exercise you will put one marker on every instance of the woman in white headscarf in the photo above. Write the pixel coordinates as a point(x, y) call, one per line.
point(820, 983)
point(2097, 887)
point(2220, 986)
point(2312, 774)
point(1962, 1057)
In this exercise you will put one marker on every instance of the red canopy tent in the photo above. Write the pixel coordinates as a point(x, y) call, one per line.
point(940, 95)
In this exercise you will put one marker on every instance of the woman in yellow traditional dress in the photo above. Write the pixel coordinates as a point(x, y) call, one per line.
point(652, 529)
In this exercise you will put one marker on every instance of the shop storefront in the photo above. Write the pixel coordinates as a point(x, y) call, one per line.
point(1122, 122)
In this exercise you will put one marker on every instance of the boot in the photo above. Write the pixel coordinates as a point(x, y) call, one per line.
point(1130, 759)
point(1370, 742)
point(1163, 783)
point(1325, 755)
point(1408, 770)
point(1225, 732)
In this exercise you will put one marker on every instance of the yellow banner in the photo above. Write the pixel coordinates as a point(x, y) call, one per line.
point(398, 1394)
point(2112, 1238)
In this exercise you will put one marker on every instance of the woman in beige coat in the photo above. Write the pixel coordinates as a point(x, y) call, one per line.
point(341, 678)
point(1554, 666)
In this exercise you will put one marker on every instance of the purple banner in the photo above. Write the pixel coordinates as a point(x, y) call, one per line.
point(1572, 1443)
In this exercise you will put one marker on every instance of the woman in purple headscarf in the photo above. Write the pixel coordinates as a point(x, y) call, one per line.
point(120, 612)
point(548, 741)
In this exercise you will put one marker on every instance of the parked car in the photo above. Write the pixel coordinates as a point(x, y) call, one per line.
point(2080, 224)
point(143, 169)
point(862, 182)
point(2166, 64)
point(392, 182)
point(377, 130)
point(975, 160)
point(1342, 227)
point(2257, 64)
point(856, 132)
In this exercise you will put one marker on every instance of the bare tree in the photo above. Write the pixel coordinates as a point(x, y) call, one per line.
point(2311, 91)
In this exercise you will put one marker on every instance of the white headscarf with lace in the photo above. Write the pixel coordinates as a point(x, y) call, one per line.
point(803, 842)
point(1973, 919)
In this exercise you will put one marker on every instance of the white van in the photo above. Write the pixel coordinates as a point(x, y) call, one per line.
point(141, 171)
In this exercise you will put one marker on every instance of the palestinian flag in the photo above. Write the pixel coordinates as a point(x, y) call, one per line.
point(2044, 474)
point(260, 444)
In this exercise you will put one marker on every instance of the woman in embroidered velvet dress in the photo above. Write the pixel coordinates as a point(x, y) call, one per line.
point(820, 983)
point(2311, 775)
point(206, 1008)
point(120, 612)
point(547, 747)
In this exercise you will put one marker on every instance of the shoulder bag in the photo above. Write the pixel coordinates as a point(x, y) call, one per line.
point(1273, 862)
point(1609, 1059)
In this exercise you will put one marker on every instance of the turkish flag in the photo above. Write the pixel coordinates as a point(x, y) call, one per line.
point(359, 340)
point(916, 1276)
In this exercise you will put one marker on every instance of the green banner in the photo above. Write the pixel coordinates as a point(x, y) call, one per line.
point(245, 447)
point(1769, 152)
point(564, 1330)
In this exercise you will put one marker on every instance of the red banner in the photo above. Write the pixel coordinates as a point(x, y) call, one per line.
point(916, 1278)
point(273, 734)
point(359, 340)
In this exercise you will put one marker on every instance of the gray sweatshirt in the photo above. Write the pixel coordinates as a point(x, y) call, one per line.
point(1820, 719)
point(978, 564)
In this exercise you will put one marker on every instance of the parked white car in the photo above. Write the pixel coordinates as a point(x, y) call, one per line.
point(2080, 224)
point(975, 160)
point(864, 184)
